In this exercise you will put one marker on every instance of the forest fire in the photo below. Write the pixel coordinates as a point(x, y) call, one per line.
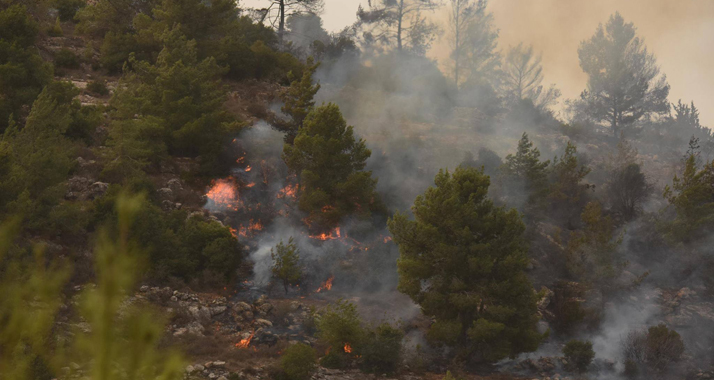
point(348, 348)
point(289, 191)
point(244, 343)
point(387, 239)
point(255, 226)
point(327, 285)
point(333, 235)
point(223, 193)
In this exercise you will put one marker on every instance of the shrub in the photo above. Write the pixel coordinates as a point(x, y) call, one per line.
point(333, 359)
point(298, 362)
point(664, 346)
point(340, 324)
point(66, 9)
point(56, 29)
point(65, 58)
point(579, 354)
point(654, 349)
point(382, 350)
point(97, 87)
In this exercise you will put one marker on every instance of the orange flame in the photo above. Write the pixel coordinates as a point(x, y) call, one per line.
point(224, 194)
point(387, 239)
point(234, 232)
point(335, 234)
point(327, 208)
point(327, 285)
point(244, 343)
point(288, 191)
point(250, 185)
point(248, 168)
point(255, 226)
point(348, 348)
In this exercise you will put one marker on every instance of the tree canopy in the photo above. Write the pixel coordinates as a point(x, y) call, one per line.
point(467, 270)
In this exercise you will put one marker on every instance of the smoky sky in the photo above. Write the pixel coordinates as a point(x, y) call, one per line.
point(679, 32)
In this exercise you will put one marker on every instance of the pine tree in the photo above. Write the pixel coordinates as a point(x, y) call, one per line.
point(286, 263)
point(467, 270)
point(299, 99)
point(568, 192)
point(624, 83)
point(330, 163)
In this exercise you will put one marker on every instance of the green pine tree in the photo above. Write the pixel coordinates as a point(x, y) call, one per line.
point(286, 263)
point(463, 261)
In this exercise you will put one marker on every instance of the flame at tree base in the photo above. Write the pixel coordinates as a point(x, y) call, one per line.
point(244, 343)
point(327, 285)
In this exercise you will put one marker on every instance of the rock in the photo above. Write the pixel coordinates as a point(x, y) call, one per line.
point(240, 307)
point(195, 328)
point(248, 315)
point(222, 378)
point(212, 375)
point(189, 368)
point(97, 189)
point(200, 313)
point(265, 308)
point(175, 185)
point(219, 363)
point(263, 323)
point(216, 310)
point(174, 299)
point(199, 367)
point(165, 194)
point(144, 289)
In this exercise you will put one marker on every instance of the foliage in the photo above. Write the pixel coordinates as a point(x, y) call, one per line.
point(38, 157)
point(591, 252)
point(66, 59)
point(98, 87)
point(399, 23)
point(56, 29)
point(627, 189)
point(566, 306)
point(568, 193)
point(522, 78)
point(475, 55)
point(179, 103)
point(298, 362)
point(623, 78)
point(131, 344)
point(527, 170)
point(467, 270)
point(298, 99)
point(691, 196)
point(340, 324)
point(382, 349)
point(23, 73)
point(31, 298)
point(330, 163)
point(286, 263)
point(178, 246)
point(655, 349)
point(66, 9)
point(579, 354)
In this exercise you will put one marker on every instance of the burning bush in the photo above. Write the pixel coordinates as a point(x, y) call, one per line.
point(298, 362)
point(579, 354)
point(330, 163)
point(340, 326)
point(382, 349)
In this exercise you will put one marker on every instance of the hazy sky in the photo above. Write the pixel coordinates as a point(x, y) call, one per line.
point(679, 32)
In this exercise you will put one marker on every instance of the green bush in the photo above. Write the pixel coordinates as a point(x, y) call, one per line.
point(56, 29)
point(65, 58)
point(340, 324)
point(98, 88)
point(66, 9)
point(298, 362)
point(579, 354)
point(334, 359)
point(382, 349)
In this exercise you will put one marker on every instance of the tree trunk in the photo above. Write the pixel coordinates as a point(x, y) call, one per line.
point(281, 25)
point(457, 46)
point(285, 285)
point(399, 25)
